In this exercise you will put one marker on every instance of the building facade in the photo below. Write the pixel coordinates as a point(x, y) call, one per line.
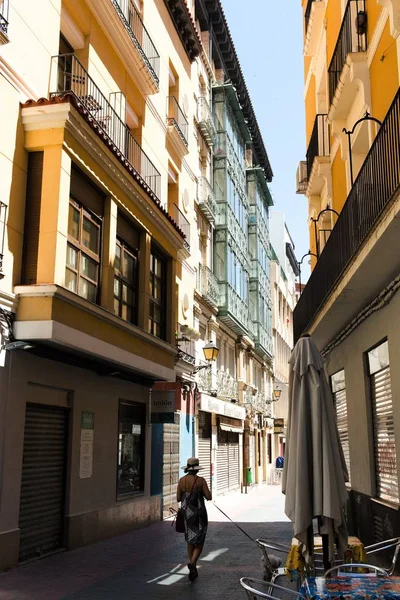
point(284, 270)
point(126, 161)
point(351, 178)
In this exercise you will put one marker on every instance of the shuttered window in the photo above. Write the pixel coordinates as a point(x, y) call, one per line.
point(338, 385)
point(157, 294)
point(383, 425)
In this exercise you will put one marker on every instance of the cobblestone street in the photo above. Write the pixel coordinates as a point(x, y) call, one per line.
point(150, 563)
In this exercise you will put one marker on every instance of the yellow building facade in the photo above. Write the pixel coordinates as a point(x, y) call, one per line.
point(351, 178)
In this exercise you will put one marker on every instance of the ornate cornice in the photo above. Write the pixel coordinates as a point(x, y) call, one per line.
point(185, 27)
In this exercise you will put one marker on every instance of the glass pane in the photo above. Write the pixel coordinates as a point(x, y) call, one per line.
point(87, 290)
point(338, 381)
point(128, 266)
point(116, 306)
point(130, 456)
point(126, 312)
point(88, 267)
point(157, 290)
point(117, 262)
point(72, 257)
point(156, 313)
point(127, 295)
point(117, 287)
point(70, 280)
point(73, 222)
point(90, 235)
point(378, 358)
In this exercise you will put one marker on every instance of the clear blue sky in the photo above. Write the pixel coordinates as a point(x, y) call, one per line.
point(268, 39)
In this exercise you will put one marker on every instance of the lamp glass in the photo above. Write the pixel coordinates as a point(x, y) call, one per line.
point(277, 392)
point(210, 351)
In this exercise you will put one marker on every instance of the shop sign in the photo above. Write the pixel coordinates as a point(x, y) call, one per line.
point(279, 425)
point(162, 406)
point(219, 407)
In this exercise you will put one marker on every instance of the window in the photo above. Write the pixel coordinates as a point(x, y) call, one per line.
point(338, 386)
point(125, 268)
point(131, 448)
point(157, 295)
point(382, 423)
point(83, 252)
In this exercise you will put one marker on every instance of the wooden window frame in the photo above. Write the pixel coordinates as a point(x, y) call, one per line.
point(132, 285)
point(81, 249)
point(153, 302)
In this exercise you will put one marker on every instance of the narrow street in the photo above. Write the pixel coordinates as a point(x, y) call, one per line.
point(150, 563)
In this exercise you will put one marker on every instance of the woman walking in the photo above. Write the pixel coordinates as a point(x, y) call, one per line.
point(191, 492)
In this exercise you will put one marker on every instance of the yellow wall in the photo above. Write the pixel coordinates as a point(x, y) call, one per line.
point(310, 108)
point(384, 75)
point(333, 23)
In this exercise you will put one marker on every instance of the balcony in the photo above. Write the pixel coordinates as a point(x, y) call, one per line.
point(352, 39)
point(232, 309)
point(263, 340)
point(75, 81)
point(375, 189)
point(124, 27)
point(256, 400)
point(224, 149)
point(183, 225)
point(313, 17)
point(4, 7)
point(205, 121)
point(224, 385)
point(317, 157)
point(206, 199)
point(178, 126)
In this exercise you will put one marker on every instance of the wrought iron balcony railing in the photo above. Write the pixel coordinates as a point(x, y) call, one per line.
point(183, 225)
point(205, 120)
point(319, 142)
point(177, 119)
point(352, 38)
point(139, 35)
point(211, 288)
point(206, 199)
point(75, 80)
point(4, 7)
point(227, 386)
point(377, 183)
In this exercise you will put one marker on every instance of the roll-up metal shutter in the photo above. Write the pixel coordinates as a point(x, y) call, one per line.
point(222, 462)
point(86, 193)
point(204, 451)
point(127, 232)
point(204, 456)
point(171, 466)
point(43, 481)
point(233, 450)
point(341, 417)
point(32, 217)
point(384, 438)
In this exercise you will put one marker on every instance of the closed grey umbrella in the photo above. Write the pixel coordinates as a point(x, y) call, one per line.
point(315, 472)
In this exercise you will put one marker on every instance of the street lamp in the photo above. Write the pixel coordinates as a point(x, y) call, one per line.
point(366, 117)
point(315, 221)
point(277, 393)
point(309, 253)
point(210, 352)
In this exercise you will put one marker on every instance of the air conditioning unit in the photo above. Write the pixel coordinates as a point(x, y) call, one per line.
point(301, 178)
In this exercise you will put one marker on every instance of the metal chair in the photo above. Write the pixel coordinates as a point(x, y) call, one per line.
point(272, 564)
point(385, 545)
point(253, 593)
point(373, 570)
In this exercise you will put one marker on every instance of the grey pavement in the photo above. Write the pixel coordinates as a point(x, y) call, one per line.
point(150, 563)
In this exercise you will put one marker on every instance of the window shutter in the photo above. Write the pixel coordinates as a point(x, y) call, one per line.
point(384, 438)
point(86, 193)
point(32, 217)
point(341, 414)
point(127, 232)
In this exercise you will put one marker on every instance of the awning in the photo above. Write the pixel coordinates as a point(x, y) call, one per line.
point(230, 428)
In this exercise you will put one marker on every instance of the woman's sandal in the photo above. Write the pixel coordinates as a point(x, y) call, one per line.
point(192, 571)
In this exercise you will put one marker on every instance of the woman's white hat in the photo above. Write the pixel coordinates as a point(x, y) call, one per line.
point(192, 465)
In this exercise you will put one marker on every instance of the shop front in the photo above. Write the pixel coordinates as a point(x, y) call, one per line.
point(224, 444)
